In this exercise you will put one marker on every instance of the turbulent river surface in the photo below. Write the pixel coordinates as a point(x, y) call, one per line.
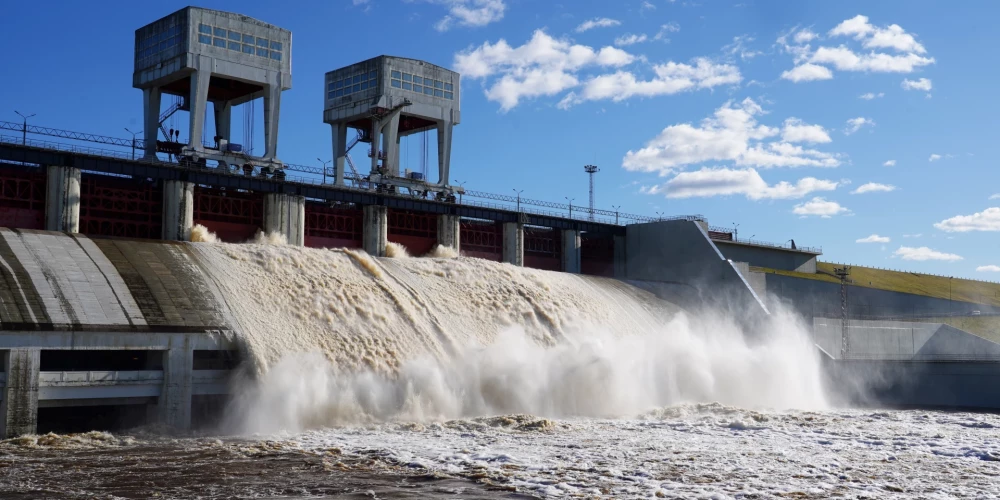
point(451, 377)
point(685, 451)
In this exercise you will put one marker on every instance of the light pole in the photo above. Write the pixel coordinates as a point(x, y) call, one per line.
point(950, 312)
point(736, 232)
point(24, 127)
point(570, 200)
point(324, 168)
point(616, 207)
point(133, 141)
point(659, 216)
point(461, 184)
point(518, 199)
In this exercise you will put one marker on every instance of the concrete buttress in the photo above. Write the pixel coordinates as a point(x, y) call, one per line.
point(62, 199)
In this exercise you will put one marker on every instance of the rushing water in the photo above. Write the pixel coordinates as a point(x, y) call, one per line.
point(460, 378)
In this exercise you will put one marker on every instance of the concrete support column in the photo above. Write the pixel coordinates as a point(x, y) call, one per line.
point(286, 214)
point(175, 399)
point(178, 210)
point(339, 151)
point(450, 231)
point(272, 109)
point(620, 257)
point(390, 145)
point(571, 251)
point(376, 230)
point(444, 152)
point(513, 243)
point(19, 408)
point(199, 102)
point(62, 199)
point(223, 119)
point(151, 120)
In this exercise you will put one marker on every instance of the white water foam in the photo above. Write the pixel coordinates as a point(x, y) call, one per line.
point(338, 337)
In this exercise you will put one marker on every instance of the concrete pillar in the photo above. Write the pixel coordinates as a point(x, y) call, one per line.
point(175, 399)
point(450, 231)
point(444, 151)
point(19, 408)
point(513, 243)
point(339, 151)
point(178, 210)
point(151, 120)
point(376, 230)
point(620, 257)
point(286, 214)
point(272, 109)
point(571, 251)
point(62, 199)
point(199, 102)
point(223, 119)
point(390, 145)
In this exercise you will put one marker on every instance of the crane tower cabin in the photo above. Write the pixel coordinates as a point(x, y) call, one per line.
point(385, 99)
point(202, 56)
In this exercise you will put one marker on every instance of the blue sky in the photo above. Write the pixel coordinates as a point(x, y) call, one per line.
point(826, 122)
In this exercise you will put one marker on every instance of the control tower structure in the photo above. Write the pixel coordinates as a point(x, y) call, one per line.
point(203, 56)
point(385, 99)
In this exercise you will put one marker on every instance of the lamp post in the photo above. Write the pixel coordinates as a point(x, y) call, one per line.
point(518, 199)
point(950, 312)
point(736, 232)
point(616, 207)
point(461, 184)
point(24, 127)
point(659, 216)
point(133, 141)
point(325, 163)
point(570, 200)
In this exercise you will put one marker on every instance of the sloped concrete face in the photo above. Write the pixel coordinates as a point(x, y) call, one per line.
point(901, 340)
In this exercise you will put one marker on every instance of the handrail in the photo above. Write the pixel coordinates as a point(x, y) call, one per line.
point(734, 239)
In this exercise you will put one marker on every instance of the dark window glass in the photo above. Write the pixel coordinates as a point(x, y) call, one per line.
point(372, 75)
point(262, 52)
point(395, 74)
point(395, 83)
point(163, 45)
point(357, 78)
point(340, 92)
point(235, 36)
point(438, 84)
point(364, 85)
point(449, 87)
point(248, 49)
point(356, 88)
point(262, 42)
point(329, 95)
point(418, 88)
point(220, 32)
point(438, 93)
point(428, 91)
point(417, 80)
point(204, 28)
point(330, 86)
point(407, 86)
point(338, 84)
point(205, 39)
point(407, 77)
point(248, 39)
point(276, 55)
point(276, 46)
point(448, 95)
point(234, 45)
point(219, 42)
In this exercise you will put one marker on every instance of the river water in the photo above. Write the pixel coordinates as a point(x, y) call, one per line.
point(460, 378)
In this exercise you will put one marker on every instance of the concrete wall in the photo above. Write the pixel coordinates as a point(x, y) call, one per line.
point(925, 384)
point(774, 258)
point(813, 298)
point(677, 258)
point(897, 340)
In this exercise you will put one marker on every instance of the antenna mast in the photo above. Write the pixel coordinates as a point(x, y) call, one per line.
point(591, 170)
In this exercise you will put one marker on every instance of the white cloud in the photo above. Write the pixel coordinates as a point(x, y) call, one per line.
point(807, 73)
point(819, 207)
point(874, 187)
point(647, 6)
point(995, 197)
point(987, 220)
point(904, 54)
point(874, 239)
point(913, 235)
point(804, 36)
point(470, 13)
point(924, 253)
point(797, 131)
point(934, 157)
point(889, 163)
point(871, 95)
point(988, 269)
point(670, 78)
point(630, 39)
point(739, 48)
point(666, 29)
point(733, 134)
point(542, 66)
point(601, 22)
point(920, 84)
point(709, 182)
point(855, 124)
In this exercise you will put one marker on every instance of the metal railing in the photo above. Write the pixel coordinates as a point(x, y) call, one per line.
point(508, 203)
point(747, 241)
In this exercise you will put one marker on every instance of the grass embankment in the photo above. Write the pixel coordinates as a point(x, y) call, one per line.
point(941, 287)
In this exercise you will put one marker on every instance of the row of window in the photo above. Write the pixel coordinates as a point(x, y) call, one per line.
point(234, 40)
point(153, 39)
point(426, 86)
point(352, 84)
